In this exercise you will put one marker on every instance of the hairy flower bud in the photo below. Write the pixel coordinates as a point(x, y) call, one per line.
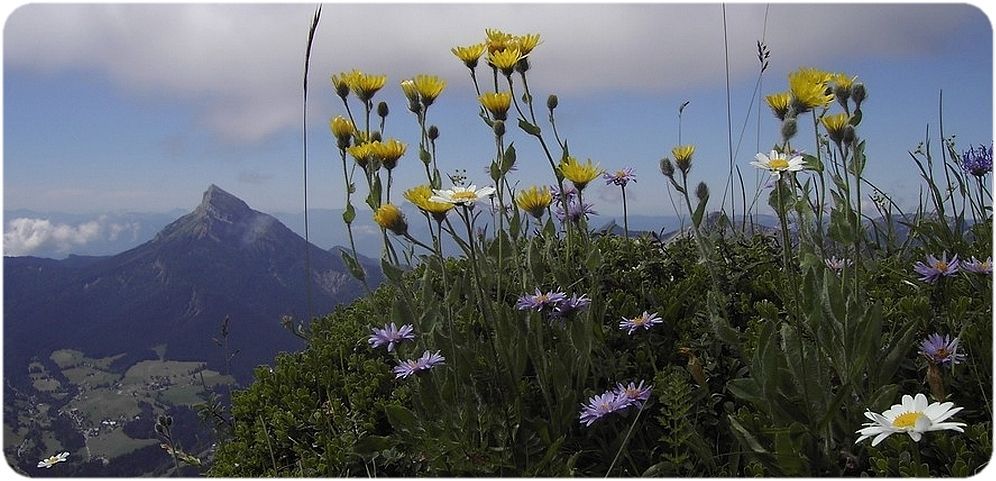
point(382, 109)
point(433, 132)
point(789, 128)
point(499, 128)
point(858, 93)
point(667, 168)
point(551, 102)
point(702, 191)
point(376, 136)
point(522, 66)
point(849, 135)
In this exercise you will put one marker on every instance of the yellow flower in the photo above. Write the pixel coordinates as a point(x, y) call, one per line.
point(844, 81)
point(341, 83)
point(366, 85)
point(341, 127)
point(498, 40)
point(389, 217)
point(497, 103)
point(505, 60)
point(578, 173)
point(779, 103)
point(835, 125)
point(419, 196)
point(526, 43)
point(683, 157)
point(388, 152)
point(408, 87)
point(469, 55)
point(429, 87)
point(809, 88)
point(362, 153)
point(534, 200)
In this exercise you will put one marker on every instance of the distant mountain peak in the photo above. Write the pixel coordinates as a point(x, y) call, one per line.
point(221, 205)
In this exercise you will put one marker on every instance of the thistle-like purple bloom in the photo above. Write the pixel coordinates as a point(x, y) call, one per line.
point(570, 305)
point(408, 367)
point(540, 301)
point(391, 335)
point(936, 268)
point(602, 405)
point(835, 264)
point(644, 320)
point(977, 266)
point(941, 350)
point(575, 210)
point(978, 161)
point(620, 177)
point(634, 394)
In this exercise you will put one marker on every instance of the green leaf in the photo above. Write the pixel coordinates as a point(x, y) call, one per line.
point(700, 211)
point(349, 214)
point(354, 267)
point(424, 156)
point(392, 272)
point(745, 437)
point(529, 128)
point(400, 417)
point(508, 160)
point(373, 444)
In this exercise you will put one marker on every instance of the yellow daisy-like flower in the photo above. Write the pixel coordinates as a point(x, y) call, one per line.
point(779, 103)
point(843, 80)
point(366, 85)
point(497, 103)
point(498, 40)
point(526, 43)
point(341, 82)
point(429, 87)
point(388, 152)
point(341, 127)
point(809, 88)
point(683, 156)
point(408, 87)
point(469, 55)
point(362, 153)
point(835, 125)
point(419, 196)
point(505, 60)
point(390, 217)
point(580, 174)
point(534, 200)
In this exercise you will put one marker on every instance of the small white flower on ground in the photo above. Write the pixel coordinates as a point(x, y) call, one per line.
point(52, 461)
point(913, 417)
point(776, 163)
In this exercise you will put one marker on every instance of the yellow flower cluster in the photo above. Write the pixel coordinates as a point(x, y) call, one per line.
point(424, 88)
point(809, 88)
point(363, 85)
point(386, 153)
point(505, 51)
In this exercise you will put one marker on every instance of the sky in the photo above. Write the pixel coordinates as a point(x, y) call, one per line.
point(139, 107)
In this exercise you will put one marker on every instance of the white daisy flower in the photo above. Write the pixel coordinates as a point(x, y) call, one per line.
point(777, 163)
point(465, 196)
point(52, 461)
point(913, 417)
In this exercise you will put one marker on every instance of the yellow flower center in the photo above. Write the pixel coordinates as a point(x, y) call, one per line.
point(464, 196)
point(907, 420)
point(941, 265)
point(778, 164)
point(639, 321)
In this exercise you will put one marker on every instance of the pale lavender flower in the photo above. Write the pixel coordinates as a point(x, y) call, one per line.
point(557, 194)
point(977, 266)
point(408, 367)
point(644, 320)
point(540, 301)
point(391, 335)
point(575, 210)
point(620, 177)
point(941, 350)
point(835, 264)
point(634, 394)
point(936, 268)
point(602, 405)
point(978, 162)
point(571, 305)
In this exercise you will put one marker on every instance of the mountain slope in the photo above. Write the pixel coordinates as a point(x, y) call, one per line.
point(222, 259)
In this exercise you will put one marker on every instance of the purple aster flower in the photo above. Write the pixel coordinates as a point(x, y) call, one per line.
point(620, 177)
point(977, 266)
point(391, 335)
point(978, 161)
point(601, 405)
point(633, 394)
point(557, 194)
point(571, 305)
point(408, 367)
point(941, 350)
point(644, 320)
point(540, 301)
point(575, 210)
point(936, 268)
point(835, 264)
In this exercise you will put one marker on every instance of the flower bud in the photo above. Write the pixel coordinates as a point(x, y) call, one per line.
point(849, 135)
point(382, 109)
point(375, 136)
point(789, 128)
point(702, 192)
point(667, 168)
point(551, 102)
point(389, 217)
point(858, 93)
point(499, 128)
point(433, 132)
point(522, 66)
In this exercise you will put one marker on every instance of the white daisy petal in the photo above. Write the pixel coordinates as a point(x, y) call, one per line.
point(916, 435)
point(920, 402)
point(880, 437)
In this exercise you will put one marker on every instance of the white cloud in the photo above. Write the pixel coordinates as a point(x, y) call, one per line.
point(24, 236)
point(241, 64)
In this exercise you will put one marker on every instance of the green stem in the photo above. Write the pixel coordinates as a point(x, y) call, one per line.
point(626, 439)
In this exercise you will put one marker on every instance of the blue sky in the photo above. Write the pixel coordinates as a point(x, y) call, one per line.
point(141, 107)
